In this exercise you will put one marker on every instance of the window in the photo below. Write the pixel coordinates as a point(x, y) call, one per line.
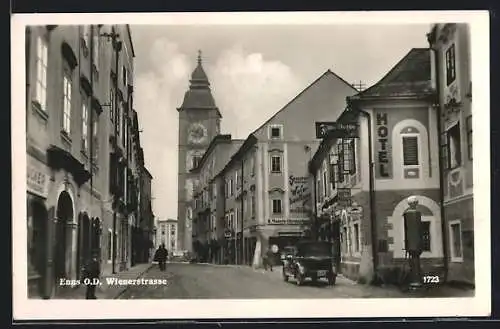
point(277, 206)
point(252, 165)
point(231, 220)
point(275, 132)
point(456, 241)
point(252, 206)
point(214, 191)
point(172, 232)
point(67, 86)
point(454, 154)
point(426, 236)
point(41, 73)
point(346, 240)
point(325, 184)
point(275, 164)
point(468, 124)
point(95, 138)
point(85, 125)
point(125, 76)
point(196, 160)
point(236, 180)
point(356, 237)
point(96, 48)
point(347, 160)
point(110, 244)
point(112, 104)
point(86, 35)
point(231, 186)
point(236, 223)
point(450, 65)
point(410, 150)
point(332, 174)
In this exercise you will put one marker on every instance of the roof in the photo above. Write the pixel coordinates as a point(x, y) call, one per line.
point(146, 171)
point(216, 140)
point(199, 95)
point(411, 76)
point(328, 72)
point(247, 144)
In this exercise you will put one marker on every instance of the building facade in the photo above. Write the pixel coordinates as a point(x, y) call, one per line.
point(199, 123)
point(68, 115)
point(452, 79)
point(166, 233)
point(208, 230)
point(145, 233)
point(266, 182)
point(362, 184)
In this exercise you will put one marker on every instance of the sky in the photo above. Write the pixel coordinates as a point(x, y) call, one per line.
point(253, 70)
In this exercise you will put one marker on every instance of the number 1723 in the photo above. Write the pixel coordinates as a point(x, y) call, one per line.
point(431, 279)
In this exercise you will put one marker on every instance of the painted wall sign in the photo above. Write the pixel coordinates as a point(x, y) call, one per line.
point(383, 158)
point(287, 221)
point(337, 129)
point(37, 180)
point(300, 194)
point(344, 196)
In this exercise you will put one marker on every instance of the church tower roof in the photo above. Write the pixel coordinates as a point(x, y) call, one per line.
point(199, 95)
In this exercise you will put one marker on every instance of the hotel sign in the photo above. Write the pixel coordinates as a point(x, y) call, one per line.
point(337, 130)
point(383, 164)
point(37, 180)
point(287, 221)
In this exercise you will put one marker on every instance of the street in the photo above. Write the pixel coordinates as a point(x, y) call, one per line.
point(240, 282)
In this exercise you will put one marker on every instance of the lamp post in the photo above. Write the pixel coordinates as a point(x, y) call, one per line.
point(413, 241)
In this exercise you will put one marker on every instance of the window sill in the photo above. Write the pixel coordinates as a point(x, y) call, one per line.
point(37, 108)
point(65, 137)
point(456, 260)
point(276, 172)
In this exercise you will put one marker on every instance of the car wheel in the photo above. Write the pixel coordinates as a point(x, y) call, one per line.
point(332, 278)
point(285, 277)
point(299, 278)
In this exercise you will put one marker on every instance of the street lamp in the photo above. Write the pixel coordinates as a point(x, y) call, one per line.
point(413, 241)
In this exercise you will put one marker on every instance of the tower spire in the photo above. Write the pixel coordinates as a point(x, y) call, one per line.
point(199, 57)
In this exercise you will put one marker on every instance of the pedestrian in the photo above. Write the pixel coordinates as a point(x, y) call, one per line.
point(161, 256)
point(268, 259)
point(91, 275)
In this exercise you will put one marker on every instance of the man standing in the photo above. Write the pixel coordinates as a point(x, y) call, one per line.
point(91, 275)
point(161, 256)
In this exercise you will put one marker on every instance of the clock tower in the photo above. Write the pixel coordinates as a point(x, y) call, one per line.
point(199, 123)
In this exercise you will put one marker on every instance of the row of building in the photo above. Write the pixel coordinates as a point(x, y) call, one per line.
point(409, 134)
point(88, 190)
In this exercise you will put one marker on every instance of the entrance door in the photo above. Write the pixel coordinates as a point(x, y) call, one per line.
point(62, 243)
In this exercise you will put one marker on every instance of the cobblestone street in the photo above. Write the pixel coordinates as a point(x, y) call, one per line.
point(241, 282)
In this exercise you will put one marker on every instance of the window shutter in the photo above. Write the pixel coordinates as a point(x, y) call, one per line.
point(410, 151)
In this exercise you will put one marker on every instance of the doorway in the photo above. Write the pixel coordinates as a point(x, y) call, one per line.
point(62, 244)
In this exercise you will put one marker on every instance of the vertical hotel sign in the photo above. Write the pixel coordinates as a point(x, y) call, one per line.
point(37, 179)
point(383, 148)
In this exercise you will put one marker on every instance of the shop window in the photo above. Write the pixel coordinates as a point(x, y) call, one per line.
point(468, 124)
point(277, 206)
point(426, 236)
point(276, 164)
point(456, 241)
point(454, 155)
point(450, 65)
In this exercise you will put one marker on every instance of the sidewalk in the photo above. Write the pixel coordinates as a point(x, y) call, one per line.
point(106, 291)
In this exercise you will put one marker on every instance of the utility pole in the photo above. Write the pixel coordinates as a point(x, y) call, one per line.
point(360, 86)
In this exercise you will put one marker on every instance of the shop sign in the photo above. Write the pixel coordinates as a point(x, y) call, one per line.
point(37, 181)
point(337, 130)
point(383, 146)
point(287, 221)
point(300, 194)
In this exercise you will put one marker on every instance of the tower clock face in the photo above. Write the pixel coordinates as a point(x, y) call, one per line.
point(197, 133)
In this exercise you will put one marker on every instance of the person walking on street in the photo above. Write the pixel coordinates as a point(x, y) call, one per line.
point(268, 259)
point(161, 256)
point(91, 275)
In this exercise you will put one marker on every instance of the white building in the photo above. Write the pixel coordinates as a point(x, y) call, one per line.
point(166, 232)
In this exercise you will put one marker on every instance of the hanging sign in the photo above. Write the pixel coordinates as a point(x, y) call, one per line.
point(344, 197)
point(337, 130)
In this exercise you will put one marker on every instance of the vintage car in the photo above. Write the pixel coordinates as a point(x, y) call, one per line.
point(310, 259)
point(288, 250)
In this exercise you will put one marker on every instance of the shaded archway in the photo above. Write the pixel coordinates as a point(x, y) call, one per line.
point(83, 251)
point(62, 243)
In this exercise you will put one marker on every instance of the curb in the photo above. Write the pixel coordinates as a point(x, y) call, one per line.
point(138, 275)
